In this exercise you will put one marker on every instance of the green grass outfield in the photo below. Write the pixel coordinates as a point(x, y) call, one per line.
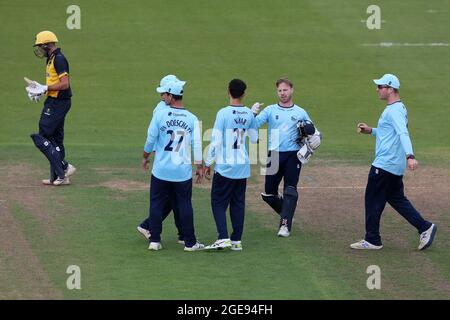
point(116, 61)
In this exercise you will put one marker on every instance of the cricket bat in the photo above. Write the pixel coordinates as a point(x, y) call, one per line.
point(29, 82)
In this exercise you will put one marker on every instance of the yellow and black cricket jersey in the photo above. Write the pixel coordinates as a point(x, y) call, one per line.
point(57, 67)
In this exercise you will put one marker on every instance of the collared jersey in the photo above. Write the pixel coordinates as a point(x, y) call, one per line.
point(173, 134)
point(57, 67)
point(159, 106)
point(282, 125)
point(392, 139)
point(228, 142)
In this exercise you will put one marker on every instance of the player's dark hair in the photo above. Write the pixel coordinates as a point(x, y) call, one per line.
point(237, 87)
point(176, 97)
point(284, 80)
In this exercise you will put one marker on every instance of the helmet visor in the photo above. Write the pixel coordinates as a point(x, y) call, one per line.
point(39, 51)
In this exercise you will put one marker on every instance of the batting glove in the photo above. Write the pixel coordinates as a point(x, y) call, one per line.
point(34, 98)
point(35, 93)
point(35, 85)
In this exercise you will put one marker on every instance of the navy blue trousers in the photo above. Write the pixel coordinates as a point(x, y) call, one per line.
point(171, 206)
point(51, 126)
point(382, 187)
point(228, 192)
point(285, 165)
point(160, 198)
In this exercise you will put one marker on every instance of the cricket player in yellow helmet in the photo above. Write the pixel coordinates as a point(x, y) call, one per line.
point(57, 104)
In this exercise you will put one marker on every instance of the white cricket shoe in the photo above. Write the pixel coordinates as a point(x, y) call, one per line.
point(196, 247)
point(283, 232)
point(236, 245)
point(427, 237)
point(47, 182)
point(144, 232)
point(364, 245)
point(220, 245)
point(155, 246)
point(180, 241)
point(70, 170)
point(61, 182)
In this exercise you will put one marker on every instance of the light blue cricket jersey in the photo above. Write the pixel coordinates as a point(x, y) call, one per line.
point(228, 142)
point(160, 106)
point(282, 126)
point(173, 134)
point(392, 139)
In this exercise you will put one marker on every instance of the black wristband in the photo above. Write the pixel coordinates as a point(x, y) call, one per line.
point(410, 156)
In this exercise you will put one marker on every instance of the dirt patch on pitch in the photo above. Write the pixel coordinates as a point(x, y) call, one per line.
point(125, 185)
point(131, 185)
point(115, 170)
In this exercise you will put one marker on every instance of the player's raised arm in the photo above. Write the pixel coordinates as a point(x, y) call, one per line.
point(263, 117)
point(253, 132)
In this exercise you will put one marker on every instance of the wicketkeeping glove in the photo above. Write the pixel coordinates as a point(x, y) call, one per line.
point(315, 139)
point(305, 153)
